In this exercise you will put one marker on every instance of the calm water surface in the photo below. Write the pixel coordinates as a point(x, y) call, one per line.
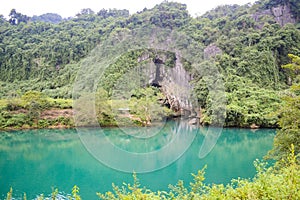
point(35, 161)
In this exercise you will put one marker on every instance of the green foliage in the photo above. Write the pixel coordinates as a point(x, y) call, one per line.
point(250, 64)
point(34, 97)
point(46, 48)
point(54, 193)
point(113, 13)
point(128, 191)
point(25, 112)
point(289, 116)
point(40, 197)
point(75, 193)
point(146, 107)
point(48, 17)
point(198, 185)
point(13, 104)
point(17, 18)
point(34, 102)
point(9, 194)
point(60, 103)
point(143, 106)
point(17, 120)
point(45, 57)
point(105, 115)
point(114, 72)
point(40, 58)
point(248, 104)
point(169, 15)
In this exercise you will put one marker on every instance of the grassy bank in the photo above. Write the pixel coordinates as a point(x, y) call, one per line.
point(35, 110)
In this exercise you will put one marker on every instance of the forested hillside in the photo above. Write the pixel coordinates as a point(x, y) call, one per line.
point(248, 43)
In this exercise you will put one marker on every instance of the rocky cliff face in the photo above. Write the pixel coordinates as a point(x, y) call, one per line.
point(211, 51)
point(174, 82)
point(281, 14)
point(176, 86)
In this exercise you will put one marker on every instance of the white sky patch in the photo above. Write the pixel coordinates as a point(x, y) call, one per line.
point(69, 8)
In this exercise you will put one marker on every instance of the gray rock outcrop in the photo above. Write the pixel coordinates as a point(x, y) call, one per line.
point(281, 14)
point(173, 81)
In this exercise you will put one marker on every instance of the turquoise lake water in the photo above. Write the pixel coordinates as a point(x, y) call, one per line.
point(35, 161)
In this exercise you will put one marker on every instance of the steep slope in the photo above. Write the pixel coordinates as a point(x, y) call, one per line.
point(248, 44)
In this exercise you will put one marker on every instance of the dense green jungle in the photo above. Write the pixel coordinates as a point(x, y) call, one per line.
point(248, 45)
point(255, 48)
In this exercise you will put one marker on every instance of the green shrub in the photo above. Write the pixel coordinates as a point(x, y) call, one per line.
point(13, 104)
point(42, 123)
point(16, 120)
point(35, 97)
point(60, 103)
point(64, 121)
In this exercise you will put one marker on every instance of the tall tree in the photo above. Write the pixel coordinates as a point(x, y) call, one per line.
point(289, 121)
point(16, 18)
point(85, 11)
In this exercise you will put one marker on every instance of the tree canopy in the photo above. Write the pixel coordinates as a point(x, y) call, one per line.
point(44, 53)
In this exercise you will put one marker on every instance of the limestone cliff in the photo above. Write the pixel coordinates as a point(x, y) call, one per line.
point(281, 14)
point(174, 82)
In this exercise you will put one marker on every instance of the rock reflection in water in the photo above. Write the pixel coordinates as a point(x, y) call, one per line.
point(128, 152)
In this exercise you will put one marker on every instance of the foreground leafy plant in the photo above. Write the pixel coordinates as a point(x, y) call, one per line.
point(289, 115)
